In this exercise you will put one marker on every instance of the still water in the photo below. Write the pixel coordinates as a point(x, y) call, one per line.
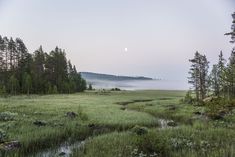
point(141, 85)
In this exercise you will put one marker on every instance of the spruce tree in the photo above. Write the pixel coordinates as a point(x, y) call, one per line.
point(199, 75)
point(232, 33)
point(214, 80)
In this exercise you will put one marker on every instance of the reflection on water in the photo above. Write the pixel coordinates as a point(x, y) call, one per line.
point(140, 85)
point(65, 150)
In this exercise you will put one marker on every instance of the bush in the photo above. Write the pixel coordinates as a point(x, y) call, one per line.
point(115, 89)
point(188, 99)
point(7, 116)
point(139, 130)
point(3, 90)
point(90, 87)
point(3, 136)
point(154, 143)
point(217, 108)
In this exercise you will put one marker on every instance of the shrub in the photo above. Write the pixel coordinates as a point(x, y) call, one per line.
point(153, 143)
point(217, 108)
point(3, 136)
point(7, 116)
point(188, 99)
point(139, 130)
point(115, 89)
point(90, 87)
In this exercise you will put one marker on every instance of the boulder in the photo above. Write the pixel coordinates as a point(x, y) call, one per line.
point(62, 154)
point(11, 145)
point(71, 114)
point(197, 113)
point(123, 108)
point(39, 123)
point(171, 123)
point(91, 125)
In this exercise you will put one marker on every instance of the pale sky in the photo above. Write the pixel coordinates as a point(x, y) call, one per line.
point(159, 35)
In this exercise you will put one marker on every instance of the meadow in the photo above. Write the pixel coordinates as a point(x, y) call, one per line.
point(103, 123)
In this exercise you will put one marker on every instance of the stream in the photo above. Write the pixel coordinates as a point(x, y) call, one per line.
point(64, 150)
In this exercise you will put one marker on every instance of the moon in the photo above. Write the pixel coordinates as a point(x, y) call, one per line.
point(126, 49)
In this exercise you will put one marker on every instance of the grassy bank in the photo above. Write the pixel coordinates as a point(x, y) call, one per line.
point(108, 118)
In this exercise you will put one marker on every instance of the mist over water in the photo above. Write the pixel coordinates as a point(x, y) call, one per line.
point(140, 84)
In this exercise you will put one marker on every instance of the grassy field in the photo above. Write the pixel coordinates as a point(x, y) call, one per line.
point(113, 124)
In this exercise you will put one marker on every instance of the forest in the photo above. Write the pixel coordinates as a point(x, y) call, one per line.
point(217, 87)
point(39, 73)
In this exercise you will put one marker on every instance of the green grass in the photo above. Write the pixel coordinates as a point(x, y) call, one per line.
point(112, 115)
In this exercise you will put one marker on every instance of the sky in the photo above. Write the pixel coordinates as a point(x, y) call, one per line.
point(154, 38)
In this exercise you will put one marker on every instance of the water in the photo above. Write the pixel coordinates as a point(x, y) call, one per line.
point(64, 150)
point(141, 85)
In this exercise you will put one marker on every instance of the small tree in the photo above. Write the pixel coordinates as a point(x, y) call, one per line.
point(188, 99)
point(221, 68)
point(199, 75)
point(55, 91)
point(2, 90)
point(232, 33)
point(13, 84)
point(27, 83)
point(90, 87)
point(214, 80)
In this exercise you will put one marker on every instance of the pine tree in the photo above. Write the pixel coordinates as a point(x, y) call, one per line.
point(38, 72)
point(22, 72)
point(194, 74)
point(89, 87)
point(27, 83)
point(230, 76)
point(214, 80)
point(13, 84)
point(12, 53)
point(232, 33)
point(199, 75)
point(5, 48)
point(221, 73)
point(1, 54)
point(21, 50)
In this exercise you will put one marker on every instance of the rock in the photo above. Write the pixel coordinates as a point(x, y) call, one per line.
point(197, 113)
point(123, 108)
point(11, 145)
point(172, 108)
point(222, 113)
point(217, 117)
point(71, 114)
point(39, 123)
point(62, 153)
point(209, 99)
point(171, 123)
point(91, 125)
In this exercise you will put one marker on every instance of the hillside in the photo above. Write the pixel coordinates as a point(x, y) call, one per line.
point(108, 77)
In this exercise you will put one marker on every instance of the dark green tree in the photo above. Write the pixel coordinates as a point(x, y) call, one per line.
point(232, 33)
point(27, 83)
point(40, 72)
point(13, 83)
point(199, 75)
point(214, 80)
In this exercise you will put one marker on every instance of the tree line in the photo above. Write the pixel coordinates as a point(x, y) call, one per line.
point(220, 81)
point(38, 73)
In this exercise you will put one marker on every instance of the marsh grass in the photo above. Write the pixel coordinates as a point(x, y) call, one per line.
point(110, 128)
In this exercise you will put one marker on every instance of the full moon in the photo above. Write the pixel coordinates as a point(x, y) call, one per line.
point(125, 49)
